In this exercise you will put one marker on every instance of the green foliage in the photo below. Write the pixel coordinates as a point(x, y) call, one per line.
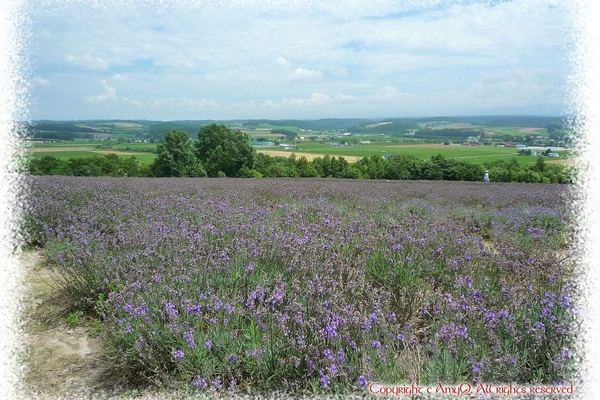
point(46, 165)
point(176, 157)
point(106, 165)
point(290, 135)
point(220, 149)
point(73, 319)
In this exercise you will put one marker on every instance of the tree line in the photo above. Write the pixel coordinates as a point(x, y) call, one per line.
point(221, 152)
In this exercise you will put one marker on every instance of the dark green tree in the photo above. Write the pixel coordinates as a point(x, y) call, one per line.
point(305, 168)
point(372, 167)
point(176, 157)
point(540, 166)
point(47, 165)
point(222, 149)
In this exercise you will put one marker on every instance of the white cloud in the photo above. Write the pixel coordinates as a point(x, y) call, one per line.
point(388, 93)
point(40, 82)
point(305, 74)
point(184, 102)
point(108, 93)
point(365, 51)
point(87, 61)
point(314, 99)
point(341, 72)
point(120, 77)
point(136, 103)
point(281, 61)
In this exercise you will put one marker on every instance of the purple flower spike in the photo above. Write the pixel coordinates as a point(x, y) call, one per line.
point(362, 382)
point(200, 382)
point(325, 381)
point(178, 354)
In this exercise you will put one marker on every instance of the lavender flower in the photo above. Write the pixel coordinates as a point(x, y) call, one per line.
point(178, 354)
point(200, 382)
point(189, 339)
point(362, 382)
point(171, 310)
point(325, 381)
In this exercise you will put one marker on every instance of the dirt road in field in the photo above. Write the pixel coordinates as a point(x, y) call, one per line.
point(60, 360)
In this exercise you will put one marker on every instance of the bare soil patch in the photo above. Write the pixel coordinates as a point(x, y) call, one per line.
point(60, 360)
point(309, 156)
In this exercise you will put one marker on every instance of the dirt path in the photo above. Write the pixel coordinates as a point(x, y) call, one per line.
point(61, 359)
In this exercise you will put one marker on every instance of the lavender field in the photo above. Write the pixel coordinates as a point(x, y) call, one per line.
point(320, 285)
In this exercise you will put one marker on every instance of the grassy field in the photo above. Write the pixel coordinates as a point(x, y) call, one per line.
point(474, 154)
point(311, 150)
point(81, 149)
point(67, 153)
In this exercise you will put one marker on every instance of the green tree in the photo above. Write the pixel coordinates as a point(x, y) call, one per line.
point(305, 168)
point(47, 165)
point(176, 156)
point(540, 166)
point(222, 149)
point(371, 167)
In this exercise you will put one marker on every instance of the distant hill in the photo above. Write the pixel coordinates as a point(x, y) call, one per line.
point(315, 125)
point(155, 130)
point(391, 126)
point(523, 121)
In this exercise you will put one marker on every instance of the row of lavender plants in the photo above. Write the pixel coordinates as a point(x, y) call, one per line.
point(315, 285)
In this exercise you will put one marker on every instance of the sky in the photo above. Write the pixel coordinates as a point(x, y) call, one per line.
point(174, 60)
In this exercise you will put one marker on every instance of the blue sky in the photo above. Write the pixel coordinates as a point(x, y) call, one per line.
point(296, 59)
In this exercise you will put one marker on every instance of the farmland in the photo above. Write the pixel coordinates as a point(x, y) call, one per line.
point(314, 285)
point(473, 154)
point(422, 138)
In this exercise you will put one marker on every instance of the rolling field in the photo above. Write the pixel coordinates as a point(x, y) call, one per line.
point(66, 154)
point(311, 150)
point(65, 151)
point(473, 154)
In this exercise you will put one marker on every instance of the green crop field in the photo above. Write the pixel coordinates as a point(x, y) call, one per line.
point(81, 153)
point(63, 155)
point(51, 145)
point(474, 154)
point(134, 146)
